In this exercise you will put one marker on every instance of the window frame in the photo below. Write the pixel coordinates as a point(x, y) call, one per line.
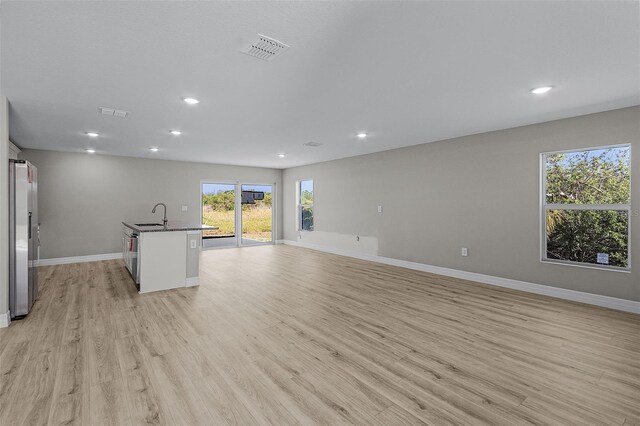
point(299, 204)
point(544, 207)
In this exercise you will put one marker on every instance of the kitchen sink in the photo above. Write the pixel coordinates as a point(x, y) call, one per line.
point(149, 224)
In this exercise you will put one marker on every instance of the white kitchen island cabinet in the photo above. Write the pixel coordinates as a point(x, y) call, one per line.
point(162, 257)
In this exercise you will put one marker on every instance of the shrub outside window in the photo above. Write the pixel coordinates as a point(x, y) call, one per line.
point(305, 205)
point(586, 207)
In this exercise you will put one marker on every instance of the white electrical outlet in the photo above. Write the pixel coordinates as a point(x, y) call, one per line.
point(464, 252)
point(194, 244)
point(379, 209)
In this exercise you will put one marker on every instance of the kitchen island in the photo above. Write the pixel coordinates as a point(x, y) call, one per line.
point(162, 256)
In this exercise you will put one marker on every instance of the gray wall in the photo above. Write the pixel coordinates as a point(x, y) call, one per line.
point(480, 192)
point(84, 198)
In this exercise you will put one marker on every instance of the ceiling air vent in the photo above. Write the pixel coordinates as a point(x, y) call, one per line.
point(313, 144)
point(113, 112)
point(265, 48)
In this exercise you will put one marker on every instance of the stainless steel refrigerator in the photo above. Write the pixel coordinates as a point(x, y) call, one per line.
point(24, 240)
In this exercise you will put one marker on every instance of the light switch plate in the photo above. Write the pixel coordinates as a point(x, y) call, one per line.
point(379, 209)
point(184, 208)
point(464, 252)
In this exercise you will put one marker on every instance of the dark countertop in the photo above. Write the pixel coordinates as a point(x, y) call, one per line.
point(171, 226)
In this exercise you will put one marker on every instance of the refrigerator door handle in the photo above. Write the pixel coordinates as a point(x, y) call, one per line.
point(30, 214)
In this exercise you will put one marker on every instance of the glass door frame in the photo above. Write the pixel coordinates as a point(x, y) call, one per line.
point(238, 212)
point(235, 218)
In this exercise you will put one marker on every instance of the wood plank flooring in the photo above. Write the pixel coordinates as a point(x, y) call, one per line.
point(283, 335)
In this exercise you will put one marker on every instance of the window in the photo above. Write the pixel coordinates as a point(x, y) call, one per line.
point(305, 205)
point(586, 207)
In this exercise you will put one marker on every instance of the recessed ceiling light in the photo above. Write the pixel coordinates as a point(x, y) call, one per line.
point(282, 155)
point(541, 90)
point(90, 150)
point(91, 134)
point(362, 135)
point(176, 132)
point(191, 101)
point(154, 149)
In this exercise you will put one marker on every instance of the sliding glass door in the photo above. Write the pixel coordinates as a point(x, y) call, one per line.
point(219, 209)
point(257, 214)
point(243, 214)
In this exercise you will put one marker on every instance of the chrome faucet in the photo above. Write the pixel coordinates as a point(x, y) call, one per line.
point(164, 220)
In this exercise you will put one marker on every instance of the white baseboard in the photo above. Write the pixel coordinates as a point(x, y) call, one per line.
point(281, 241)
point(79, 259)
point(192, 281)
point(5, 319)
point(561, 293)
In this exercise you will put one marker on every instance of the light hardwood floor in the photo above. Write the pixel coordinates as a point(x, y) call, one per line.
point(282, 335)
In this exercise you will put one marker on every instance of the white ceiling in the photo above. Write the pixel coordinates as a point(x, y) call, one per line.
point(405, 72)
